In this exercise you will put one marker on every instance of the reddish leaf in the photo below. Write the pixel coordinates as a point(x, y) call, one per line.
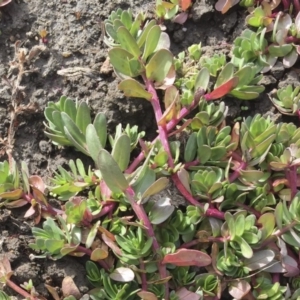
point(111, 244)
point(185, 4)
point(277, 182)
point(187, 257)
point(223, 89)
point(4, 2)
point(147, 295)
point(39, 196)
point(52, 291)
point(12, 195)
point(16, 203)
point(181, 18)
point(99, 254)
point(105, 191)
point(37, 182)
point(107, 233)
point(184, 294)
point(69, 288)
point(239, 289)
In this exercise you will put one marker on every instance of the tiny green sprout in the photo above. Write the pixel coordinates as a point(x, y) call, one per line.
point(208, 283)
point(195, 52)
point(260, 16)
point(287, 100)
point(166, 10)
point(250, 47)
point(213, 64)
point(267, 289)
point(244, 108)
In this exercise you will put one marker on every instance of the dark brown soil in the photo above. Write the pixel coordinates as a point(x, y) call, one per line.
point(74, 40)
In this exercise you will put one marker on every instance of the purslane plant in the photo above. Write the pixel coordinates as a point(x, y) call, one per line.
point(239, 230)
point(277, 36)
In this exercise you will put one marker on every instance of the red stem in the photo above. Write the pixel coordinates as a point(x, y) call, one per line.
point(210, 212)
point(142, 216)
point(143, 275)
point(286, 4)
point(19, 290)
point(291, 175)
point(296, 5)
point(236, 173)
point(191, 164)
point(105, 210)
point(46, 208)
point(170, 126)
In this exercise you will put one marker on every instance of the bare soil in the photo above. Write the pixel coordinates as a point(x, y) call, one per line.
point(74, 40)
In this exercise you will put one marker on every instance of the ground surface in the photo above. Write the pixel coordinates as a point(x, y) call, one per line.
point(75, 40)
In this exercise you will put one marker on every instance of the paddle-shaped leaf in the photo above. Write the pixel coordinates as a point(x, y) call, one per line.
point(133, 88)
point(159, 65)
point(119, 58)
point(151, 41)
point(128, 42)
point(187, 257)
point(223, 89)
point(92, 142)
point(121, 151)
point(111, 173)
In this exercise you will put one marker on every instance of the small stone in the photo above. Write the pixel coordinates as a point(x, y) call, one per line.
point(45, 147)
point(278, 70)
point(267, 80)
point(291, 78)
point(106, 67)
point(178, 36)
point(201, 11)
point(30, 34)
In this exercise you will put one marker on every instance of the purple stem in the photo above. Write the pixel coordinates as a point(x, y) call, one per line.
point(296, 5)
point(191, 164)
point(291, 175)
point(19, 290)
point(170, 126)
point(210, 212)
point(105, 210)
point(286, 4)
point(292, 39)
point(142, 216)
point(143, 275)
point(88, 252)
point(250, 209)
point(162, 130)
point(276, 277)
point(46, 208)
point(236, 173)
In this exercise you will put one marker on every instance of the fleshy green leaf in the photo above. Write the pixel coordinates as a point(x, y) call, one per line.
point(128, 42)
point(159, 65)
point(121, 151)
point(111, 173)
point(133, 88)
